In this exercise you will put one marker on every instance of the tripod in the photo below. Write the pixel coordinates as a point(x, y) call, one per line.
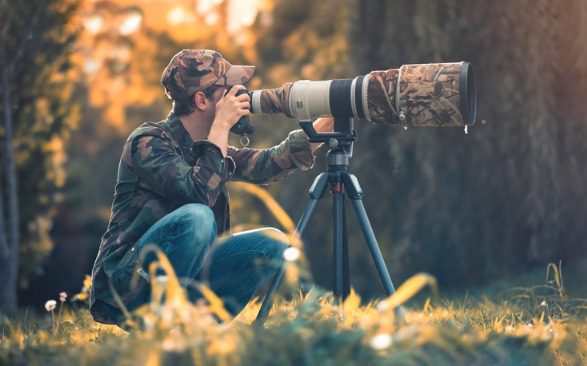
point(340, 181)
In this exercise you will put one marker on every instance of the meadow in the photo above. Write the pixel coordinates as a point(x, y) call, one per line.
point(530, 319)
point(532, 325)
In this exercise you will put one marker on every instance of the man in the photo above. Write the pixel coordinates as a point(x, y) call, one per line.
point(171, 192)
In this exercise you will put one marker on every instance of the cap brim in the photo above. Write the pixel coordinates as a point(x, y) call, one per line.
point(237, 74)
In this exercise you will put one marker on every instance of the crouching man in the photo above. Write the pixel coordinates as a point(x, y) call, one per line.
point(171, 192)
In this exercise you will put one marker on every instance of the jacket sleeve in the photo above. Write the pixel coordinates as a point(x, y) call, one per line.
point(164, 170)
point(267, 165)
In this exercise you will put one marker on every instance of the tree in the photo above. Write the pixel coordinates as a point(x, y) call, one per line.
point(504, 197)
point(35, 41)
point(466, 208)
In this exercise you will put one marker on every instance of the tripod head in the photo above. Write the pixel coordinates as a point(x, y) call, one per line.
point(341, 139)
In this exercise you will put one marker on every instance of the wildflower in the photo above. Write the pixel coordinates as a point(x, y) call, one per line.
point(543, 303)
point(291, 254)
point(85, 291)
point(62, 298)
point(50, 305)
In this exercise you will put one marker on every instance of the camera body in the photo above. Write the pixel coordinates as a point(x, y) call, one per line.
point(243, 126)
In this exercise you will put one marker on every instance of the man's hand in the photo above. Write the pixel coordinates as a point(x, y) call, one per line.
point(229, 109)
point(322, 125)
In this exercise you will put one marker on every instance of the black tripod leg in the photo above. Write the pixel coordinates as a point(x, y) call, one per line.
point(316, 192)
point(346, 283)
point(356, 194)
point(337, 255)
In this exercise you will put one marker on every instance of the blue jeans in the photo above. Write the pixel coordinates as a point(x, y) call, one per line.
point(234, 269)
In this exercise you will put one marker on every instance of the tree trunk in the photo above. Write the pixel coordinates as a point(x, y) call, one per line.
point(3, 242)
point(367, 34)
point(9, 259)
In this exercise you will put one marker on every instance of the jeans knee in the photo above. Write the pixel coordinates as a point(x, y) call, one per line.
point(274, 248)
point(266, 244)
point(198, 220)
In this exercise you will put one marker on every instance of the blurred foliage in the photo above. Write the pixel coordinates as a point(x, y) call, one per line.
point(466, 208)
point(40, 42)
point(469, 208)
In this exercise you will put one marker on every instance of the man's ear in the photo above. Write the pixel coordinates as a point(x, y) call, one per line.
point(200, 100)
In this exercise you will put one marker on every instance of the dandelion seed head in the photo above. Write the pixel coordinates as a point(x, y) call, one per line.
point(381, 341)
point(62, 296)
point(50, 305)
point(543, 303)
point(291, 254)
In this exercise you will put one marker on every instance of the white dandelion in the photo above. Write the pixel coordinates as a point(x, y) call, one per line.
point(50, 305)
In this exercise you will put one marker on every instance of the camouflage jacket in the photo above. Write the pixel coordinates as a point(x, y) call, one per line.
point(161, 169)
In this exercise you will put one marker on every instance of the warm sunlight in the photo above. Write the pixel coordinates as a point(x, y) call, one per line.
point(211, 225)
point(241, 13)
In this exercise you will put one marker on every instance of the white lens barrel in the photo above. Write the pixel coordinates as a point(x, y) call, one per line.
point(310, 99)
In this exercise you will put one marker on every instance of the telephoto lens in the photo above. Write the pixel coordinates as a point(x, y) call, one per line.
point(419, 95)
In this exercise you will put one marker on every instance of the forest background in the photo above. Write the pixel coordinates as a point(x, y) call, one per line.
point(79, 76)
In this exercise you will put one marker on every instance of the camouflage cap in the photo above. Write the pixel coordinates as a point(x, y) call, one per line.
point(192, 70)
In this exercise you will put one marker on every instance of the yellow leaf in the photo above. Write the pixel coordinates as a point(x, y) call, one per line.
point(87, 284)
point(558, 279)
point(270, 202)
point(410, 288)
point(80, 297)
point(216, 303)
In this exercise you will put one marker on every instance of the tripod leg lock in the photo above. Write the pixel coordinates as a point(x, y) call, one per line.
point(351, 184)
point(318, 188)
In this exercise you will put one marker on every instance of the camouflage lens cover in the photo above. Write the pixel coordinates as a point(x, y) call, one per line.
point(272, 100)
point(422, 95)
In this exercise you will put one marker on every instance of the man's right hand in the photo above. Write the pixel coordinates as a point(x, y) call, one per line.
point(230, 108)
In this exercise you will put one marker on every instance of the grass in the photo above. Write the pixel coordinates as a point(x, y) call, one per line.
point(537, 325)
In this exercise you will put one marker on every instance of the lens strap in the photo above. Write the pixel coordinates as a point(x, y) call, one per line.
point(400, 113)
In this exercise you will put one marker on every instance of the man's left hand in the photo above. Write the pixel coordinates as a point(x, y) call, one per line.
point(322, 125)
